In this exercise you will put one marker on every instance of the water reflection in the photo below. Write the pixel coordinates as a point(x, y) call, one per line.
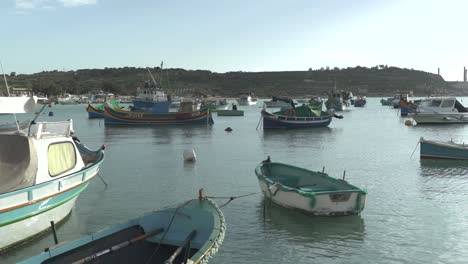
point(296, 136)
point(298, 226)
point(159, 134)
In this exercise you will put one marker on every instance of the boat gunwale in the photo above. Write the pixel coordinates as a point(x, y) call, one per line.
point(203, 253)
point(261, 176)
point(445, 144)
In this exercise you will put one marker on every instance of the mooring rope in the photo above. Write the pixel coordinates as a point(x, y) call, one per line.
point(167, 230)
point(415, 149)
point(231, 198)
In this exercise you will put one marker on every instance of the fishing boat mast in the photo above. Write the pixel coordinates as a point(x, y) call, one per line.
point(8, 91)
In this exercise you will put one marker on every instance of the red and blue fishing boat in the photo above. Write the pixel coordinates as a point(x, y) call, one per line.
point(122, 117)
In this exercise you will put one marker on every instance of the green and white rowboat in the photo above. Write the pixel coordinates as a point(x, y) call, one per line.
point(313, 192)
point(190, 233)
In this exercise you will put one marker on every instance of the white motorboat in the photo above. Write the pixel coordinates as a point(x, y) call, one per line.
point(440, 110)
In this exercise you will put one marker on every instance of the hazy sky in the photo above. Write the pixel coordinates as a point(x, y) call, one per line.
point(225, 35)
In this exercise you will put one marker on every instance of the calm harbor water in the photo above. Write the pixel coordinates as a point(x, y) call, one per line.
point(415, 212)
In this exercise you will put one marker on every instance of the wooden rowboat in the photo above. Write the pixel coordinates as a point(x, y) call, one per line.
point(313, 192)
point(189, 233)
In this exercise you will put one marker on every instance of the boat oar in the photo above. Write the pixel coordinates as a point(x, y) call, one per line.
point(171, 259)
point(118, 246)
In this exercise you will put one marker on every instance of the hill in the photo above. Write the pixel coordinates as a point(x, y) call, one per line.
point(376, 81)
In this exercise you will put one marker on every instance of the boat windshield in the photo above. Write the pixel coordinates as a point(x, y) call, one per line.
point(448, 103)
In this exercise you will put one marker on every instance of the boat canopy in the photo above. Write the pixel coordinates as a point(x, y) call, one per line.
point(17, 105)
point(18, 162)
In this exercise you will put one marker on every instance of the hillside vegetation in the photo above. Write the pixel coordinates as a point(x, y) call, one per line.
point(380, 80)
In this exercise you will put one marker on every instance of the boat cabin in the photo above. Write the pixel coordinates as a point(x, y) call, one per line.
point(41, 157)
point(441, 104)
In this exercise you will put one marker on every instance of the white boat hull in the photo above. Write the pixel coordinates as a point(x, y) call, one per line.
point(30, 227)
point(323, 204)
point(440, 118)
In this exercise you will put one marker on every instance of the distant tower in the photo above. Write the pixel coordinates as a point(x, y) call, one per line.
point(438, 71)
point(464, 74)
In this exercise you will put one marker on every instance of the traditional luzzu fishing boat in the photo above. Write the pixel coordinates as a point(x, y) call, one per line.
point(42, 173)
point(298, 117)
point(386, 102)
point(98, 111)
point(440, 110)
point(309, 191)
point(431, 149)
point(335, 102)
point(189, 233)
point(122, 117)
point(360, 102)
point(407, 107)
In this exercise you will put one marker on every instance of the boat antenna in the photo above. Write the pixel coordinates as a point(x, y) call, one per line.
point(8, 90)
point(161, 73)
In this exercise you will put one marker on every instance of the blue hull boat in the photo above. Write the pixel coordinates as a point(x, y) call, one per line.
point(443, 150)
point(335, 103)
point(360, 102)
point(274, 121)
point(189, 233)
point(94, 112)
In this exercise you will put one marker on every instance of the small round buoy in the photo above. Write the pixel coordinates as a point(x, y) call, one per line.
point(408, 122)
point(189, 155)
point(51, 113)
point(228, 129)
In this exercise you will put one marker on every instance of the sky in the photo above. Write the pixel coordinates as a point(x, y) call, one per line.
point(234, 35)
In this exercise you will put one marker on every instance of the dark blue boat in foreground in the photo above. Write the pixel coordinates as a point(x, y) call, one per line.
point(189, 233)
